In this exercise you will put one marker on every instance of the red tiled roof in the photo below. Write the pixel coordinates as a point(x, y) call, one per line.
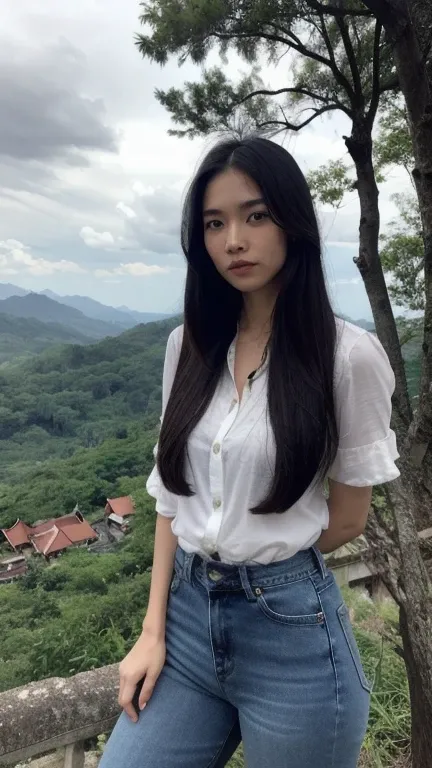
point(56, 539)
point(18, 534)
point(50, 541)
point(122, 506)
point(60, 522)
point(80, 532)
point(51, 535)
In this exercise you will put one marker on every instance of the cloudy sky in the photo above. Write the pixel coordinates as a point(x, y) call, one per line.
point(91, 185)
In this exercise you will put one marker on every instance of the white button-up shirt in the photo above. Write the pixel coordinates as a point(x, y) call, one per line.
point(231, 455)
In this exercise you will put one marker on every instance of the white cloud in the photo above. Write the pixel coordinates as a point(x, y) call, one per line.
point(127, 210)
point(96, 239)
point(134, 268)
point(141, 190)
point(13, 253)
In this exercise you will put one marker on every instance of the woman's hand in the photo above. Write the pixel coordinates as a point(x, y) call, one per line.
point(144, 660)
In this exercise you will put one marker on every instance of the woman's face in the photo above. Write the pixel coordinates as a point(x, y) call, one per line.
point(238, 229)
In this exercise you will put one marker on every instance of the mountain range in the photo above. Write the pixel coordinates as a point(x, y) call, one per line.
point(30, 321)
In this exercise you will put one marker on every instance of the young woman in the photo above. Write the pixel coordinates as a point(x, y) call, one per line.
point(266, 395)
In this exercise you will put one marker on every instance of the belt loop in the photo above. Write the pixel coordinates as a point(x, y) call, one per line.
point(187, 566)
point(320, 561)
point(244, 578)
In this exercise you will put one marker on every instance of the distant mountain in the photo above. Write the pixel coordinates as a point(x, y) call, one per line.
point(24, 337)
point(8, 289)
point(94, 309)
point(48, 311)
point(122, 316)
point(145, 317)
point(368, 325)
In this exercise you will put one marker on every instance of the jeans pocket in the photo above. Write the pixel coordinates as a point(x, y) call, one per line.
point(346, 625)
point(294, 604)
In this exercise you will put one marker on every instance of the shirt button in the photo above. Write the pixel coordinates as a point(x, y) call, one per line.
point(217, 503)
point(216, 448)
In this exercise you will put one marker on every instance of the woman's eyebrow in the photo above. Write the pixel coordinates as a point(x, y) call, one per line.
point(242, 206)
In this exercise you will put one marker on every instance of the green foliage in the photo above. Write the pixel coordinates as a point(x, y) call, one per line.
point(52, 488)
point(393, 145)
point(216, 105)
point(333, 69)
point(77, 396)
point(403, 254)
point(24, 337)
point(330, 182)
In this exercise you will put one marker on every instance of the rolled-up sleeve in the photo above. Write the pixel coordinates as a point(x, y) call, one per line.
point(166, 502)
point(367, 446)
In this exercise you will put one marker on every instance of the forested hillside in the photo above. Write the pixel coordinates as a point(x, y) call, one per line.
point(42, 308)
point(107, 396)
point(78, 396)
point(25, 337)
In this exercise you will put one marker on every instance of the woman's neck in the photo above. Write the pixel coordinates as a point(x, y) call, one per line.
point(257, 311)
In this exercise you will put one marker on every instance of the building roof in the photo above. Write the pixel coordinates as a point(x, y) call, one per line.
point(56, 539)
point(80, 532)
point(50, 541)
point(17, 534)
point(45, 536)
point(16, 570)
point(12, 560)
point(122, 506)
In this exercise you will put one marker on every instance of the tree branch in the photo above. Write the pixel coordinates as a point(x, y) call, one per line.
point(340, 21)
point(303, 91)
point(384, 11)
point(292, 127)
point(341, 79)
point(335, 10)
point(296, 46)
point(376, 92)
point(392, 84)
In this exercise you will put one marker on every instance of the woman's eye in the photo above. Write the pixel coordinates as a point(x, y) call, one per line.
point(260, 215)
point(214, 221)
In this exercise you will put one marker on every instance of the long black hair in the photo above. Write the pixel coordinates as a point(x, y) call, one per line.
point(303, 336)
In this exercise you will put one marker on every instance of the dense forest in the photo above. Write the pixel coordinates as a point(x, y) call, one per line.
point(78, 425)
point(77, 396)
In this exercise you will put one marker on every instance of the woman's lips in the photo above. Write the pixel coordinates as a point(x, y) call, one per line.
point(242, 269)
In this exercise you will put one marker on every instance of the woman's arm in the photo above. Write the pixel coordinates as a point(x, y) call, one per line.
point(348, 511)
point(163, 562)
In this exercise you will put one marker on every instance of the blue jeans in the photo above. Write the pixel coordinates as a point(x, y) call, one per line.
point(264, 654)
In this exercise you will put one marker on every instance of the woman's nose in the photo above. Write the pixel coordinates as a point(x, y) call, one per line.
point(234, 240)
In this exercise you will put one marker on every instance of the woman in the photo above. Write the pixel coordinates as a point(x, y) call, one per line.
point(266, 395)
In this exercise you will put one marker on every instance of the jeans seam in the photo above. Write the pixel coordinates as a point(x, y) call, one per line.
point(218, 753)
point(327, 586)
point(212, 649)
point(333, 662)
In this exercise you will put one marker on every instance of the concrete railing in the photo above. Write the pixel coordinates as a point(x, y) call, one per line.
point(58, 712)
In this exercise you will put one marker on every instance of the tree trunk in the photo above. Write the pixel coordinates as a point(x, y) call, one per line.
point(408, 26)
point(407, 577)
point(359, 145)
point(396, 556)
point(421, 708)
